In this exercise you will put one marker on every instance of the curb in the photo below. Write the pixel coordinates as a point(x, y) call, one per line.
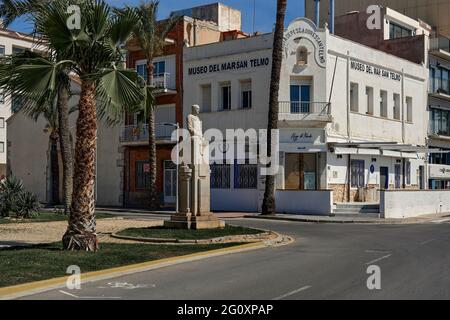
point(26, 289)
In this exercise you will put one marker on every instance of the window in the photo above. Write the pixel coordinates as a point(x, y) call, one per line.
point(159, 69)
point(225, 96)
point(16, 50)
point(300, 172)
point(246, 94)
point(383, 104)
point(141, 69)
point(440, 122)
point(409, 109)
point(206, 98)
point(300, 98)
point(2, 147)
point(142, 175)
point(220, 176)
point(245, 176)
point(2, 122)
point(369, 99)
point(408, 172)
point(357, 173)
point(2, 51)
point(439, 79)
point(396, 106)
point(354, 97)
point(396, 31)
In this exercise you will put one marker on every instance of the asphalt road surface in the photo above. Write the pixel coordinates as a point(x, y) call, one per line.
point(326, 261)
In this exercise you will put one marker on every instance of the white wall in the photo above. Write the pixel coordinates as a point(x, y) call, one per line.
point(411, 203)
point(304, 202)
point(234, 200)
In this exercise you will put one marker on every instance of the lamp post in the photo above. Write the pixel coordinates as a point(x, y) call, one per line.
point(177, 127)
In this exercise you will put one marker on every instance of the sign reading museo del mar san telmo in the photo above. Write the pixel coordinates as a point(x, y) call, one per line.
point(229, 66)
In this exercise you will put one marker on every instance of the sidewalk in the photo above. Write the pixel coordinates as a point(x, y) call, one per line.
point(348, 219)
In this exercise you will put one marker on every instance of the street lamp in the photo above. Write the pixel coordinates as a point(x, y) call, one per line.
point(177, 127)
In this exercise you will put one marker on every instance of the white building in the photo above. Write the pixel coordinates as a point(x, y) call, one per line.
point(352, 119)
point(10, 42)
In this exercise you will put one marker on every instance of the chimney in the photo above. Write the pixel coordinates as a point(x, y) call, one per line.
point(332, 16)
point(317, 21)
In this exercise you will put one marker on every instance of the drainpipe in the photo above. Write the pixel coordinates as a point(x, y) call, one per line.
point(403, 106)
point(348, 98)
point(332, 16)
point(317, 13)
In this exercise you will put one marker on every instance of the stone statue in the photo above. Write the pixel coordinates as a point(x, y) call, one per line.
point(194, 183)
point(194, 123)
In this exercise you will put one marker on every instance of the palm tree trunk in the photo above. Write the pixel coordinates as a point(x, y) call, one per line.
point(268, 206)
point(54, 167)
point(81, 232)
point(153, 192)
point(66, 146)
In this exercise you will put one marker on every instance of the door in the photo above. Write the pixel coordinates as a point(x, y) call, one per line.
point(398, 176)
point(300, 171)
point(421, 177)
point(300, 98)
point(384, 178)
point(170, 182)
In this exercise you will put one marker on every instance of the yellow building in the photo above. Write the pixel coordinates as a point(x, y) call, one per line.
point(436, 13)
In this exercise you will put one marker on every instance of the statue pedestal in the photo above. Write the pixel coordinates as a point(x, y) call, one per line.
point(194, 193)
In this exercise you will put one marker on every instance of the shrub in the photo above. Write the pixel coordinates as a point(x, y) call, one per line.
point(28, 205)
point(10, 190)
point(14, 199)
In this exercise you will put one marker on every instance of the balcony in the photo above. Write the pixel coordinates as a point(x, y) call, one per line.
point(440, 47)
point(304, 113)
point(138, 134)
point(161, 83)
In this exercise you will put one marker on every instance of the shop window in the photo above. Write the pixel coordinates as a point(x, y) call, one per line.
point(225, 96)
point(369, 99)
point(246, 94)
point(220, 176)
point(300, 171)
point(142, 175)
point(409, 109)
point(354, 97)
point(383, 104)
point(245, 176)
point(357, 173)
point(396, 106)
point(206, 98)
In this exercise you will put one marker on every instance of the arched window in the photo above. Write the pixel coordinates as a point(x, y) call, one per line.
point(302, 56)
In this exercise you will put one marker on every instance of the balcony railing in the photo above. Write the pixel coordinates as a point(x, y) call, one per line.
point(139, 133)
point(161, 81)
point(305, 108)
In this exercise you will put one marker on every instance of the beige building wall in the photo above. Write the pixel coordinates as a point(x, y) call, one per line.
point(434, 12)
point(28, 157)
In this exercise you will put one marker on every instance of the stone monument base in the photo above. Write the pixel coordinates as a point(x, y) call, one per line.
point(205, 221)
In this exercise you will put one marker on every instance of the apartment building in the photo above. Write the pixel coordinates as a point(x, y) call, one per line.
point(200, 25)
point(10, 42)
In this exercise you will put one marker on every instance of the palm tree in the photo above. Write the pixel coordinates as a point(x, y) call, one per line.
point(94, 54)
point(150, 34)
point(9, 11)
point(268, 206)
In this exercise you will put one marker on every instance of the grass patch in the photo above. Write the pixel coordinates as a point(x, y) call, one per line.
point(40, 262)
point(181, 234)
point(47, 217)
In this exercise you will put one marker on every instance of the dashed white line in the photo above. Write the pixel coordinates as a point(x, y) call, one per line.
point(292, 293)
point(379, 259)
point(427, 242)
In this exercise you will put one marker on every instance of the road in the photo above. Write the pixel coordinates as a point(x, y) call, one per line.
point(326, 261)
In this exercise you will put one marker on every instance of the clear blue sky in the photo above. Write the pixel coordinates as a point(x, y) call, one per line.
point(265, 11)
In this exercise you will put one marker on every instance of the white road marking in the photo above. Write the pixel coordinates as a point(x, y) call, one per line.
point(379, 259)
point(426, 242)
point(377, 251)
point(292, 293)
point(74, 296)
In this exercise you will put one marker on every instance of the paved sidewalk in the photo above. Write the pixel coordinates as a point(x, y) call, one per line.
point(349, 219)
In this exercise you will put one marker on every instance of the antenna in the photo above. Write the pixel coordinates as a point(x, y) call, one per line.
point(254, 15)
